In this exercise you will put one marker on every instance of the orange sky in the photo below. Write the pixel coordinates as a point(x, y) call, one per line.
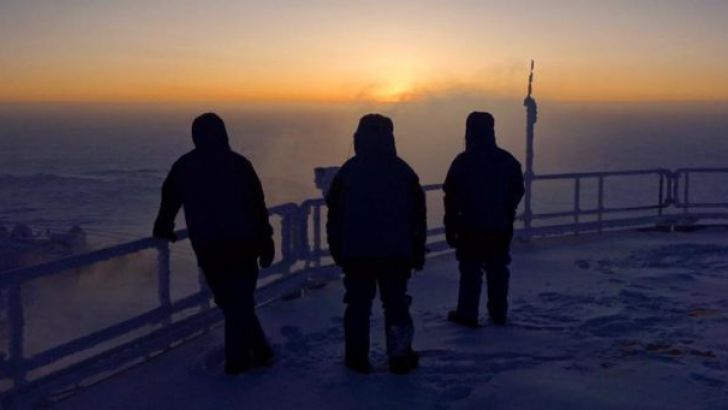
point(665, 50)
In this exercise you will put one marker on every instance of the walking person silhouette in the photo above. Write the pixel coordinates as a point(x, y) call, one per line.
point(376, 232)
point(482, 190)
point(228, 227)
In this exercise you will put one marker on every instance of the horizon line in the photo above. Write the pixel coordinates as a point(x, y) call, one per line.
point(358, 101)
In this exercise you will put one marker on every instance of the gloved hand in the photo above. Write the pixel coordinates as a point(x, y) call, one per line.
point(451, 237)
point(267, 253)
point(167, 234)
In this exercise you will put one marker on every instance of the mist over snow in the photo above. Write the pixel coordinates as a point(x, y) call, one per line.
point(101, 165)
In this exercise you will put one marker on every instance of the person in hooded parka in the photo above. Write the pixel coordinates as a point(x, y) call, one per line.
point(376, 232)
point(228, 226)
point(482, 190)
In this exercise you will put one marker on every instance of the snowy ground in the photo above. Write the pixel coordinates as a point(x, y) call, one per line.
point(618, 321)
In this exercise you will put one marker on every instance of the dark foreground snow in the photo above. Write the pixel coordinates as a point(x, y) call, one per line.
point(618, 321)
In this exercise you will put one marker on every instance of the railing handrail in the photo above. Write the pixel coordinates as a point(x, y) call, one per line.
point(26, 274)
point(597, 174)
point(682, 175)
point(701, 169)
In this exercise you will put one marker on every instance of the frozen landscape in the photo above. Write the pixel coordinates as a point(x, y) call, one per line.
point(619, 320)
point(629, 320)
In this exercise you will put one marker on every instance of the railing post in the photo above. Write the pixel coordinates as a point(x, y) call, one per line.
point(577, 203)
point(317, 235)
point(671, 186)
point(16, 337)
point(297, 244)
point(163, 280)
point(660, 194)
point(676, 188)
point(686, 193)
point(600, 202)
point(286, 235)
point(304, 249)
point(527, 211)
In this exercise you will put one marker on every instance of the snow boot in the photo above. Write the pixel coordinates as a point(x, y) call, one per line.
point(358, 364)
point(455, 317)
point(498, 319)
point(404, 364)
point(402, 359)
point(238, 367)
point(263, 356)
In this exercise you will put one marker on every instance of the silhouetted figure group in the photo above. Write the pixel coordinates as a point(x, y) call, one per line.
point(377, 228)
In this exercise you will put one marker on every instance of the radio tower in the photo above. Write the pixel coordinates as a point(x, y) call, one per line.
point(531, 117)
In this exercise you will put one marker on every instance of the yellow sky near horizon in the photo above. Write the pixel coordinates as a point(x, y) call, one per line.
point(189, 50)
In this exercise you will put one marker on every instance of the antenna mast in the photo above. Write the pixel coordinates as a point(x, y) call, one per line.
point(531, 117)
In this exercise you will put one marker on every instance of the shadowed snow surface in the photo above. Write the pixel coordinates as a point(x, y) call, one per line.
point(617, 321)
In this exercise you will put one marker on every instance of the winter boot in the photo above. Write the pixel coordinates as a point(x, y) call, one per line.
point(263, 356)
point(358, 364)
point(455, 317)
point(404, 364)
point(237, 367)
point(402, 359)
point(498, 318)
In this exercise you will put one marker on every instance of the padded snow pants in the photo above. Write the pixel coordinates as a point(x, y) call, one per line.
point(360, 292)
point(234, 294)
point(490, 255)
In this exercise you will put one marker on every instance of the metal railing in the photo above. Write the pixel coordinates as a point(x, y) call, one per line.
point(600, 212)
point(164, 326)
point(301, 240)
point(672, 204)
point(681, 188)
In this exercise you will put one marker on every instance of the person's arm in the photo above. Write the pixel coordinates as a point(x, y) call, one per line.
point(334, 224)
point(420, 224)
point(452, 204)
point(266, 244)
point(171, 203)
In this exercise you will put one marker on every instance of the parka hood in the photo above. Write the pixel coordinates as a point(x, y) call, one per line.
point(209, 133)
point(479, 131)
point(374, 137)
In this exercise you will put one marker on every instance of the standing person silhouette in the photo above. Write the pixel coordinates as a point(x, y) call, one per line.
point(482, 190)
point(376, 232)
point(228, 226)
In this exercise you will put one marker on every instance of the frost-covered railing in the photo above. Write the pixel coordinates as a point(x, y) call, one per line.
point(164, 324)
point(301, 239)
point(681, 191)
point(572, 219)
point(671, 203)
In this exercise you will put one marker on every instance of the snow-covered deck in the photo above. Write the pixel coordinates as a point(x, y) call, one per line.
point(614, 321)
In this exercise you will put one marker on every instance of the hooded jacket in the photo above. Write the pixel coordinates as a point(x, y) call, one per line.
point(376, 206)
point(483, 186)
point(223, 202)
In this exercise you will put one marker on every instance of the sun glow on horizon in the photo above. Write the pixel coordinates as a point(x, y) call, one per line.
point(344, 52)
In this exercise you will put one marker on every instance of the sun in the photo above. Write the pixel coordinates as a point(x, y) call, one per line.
point(392, 92)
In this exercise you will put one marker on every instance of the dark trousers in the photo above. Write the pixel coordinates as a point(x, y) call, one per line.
point(489, 254)
point(360, 292)
point(234, 295)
